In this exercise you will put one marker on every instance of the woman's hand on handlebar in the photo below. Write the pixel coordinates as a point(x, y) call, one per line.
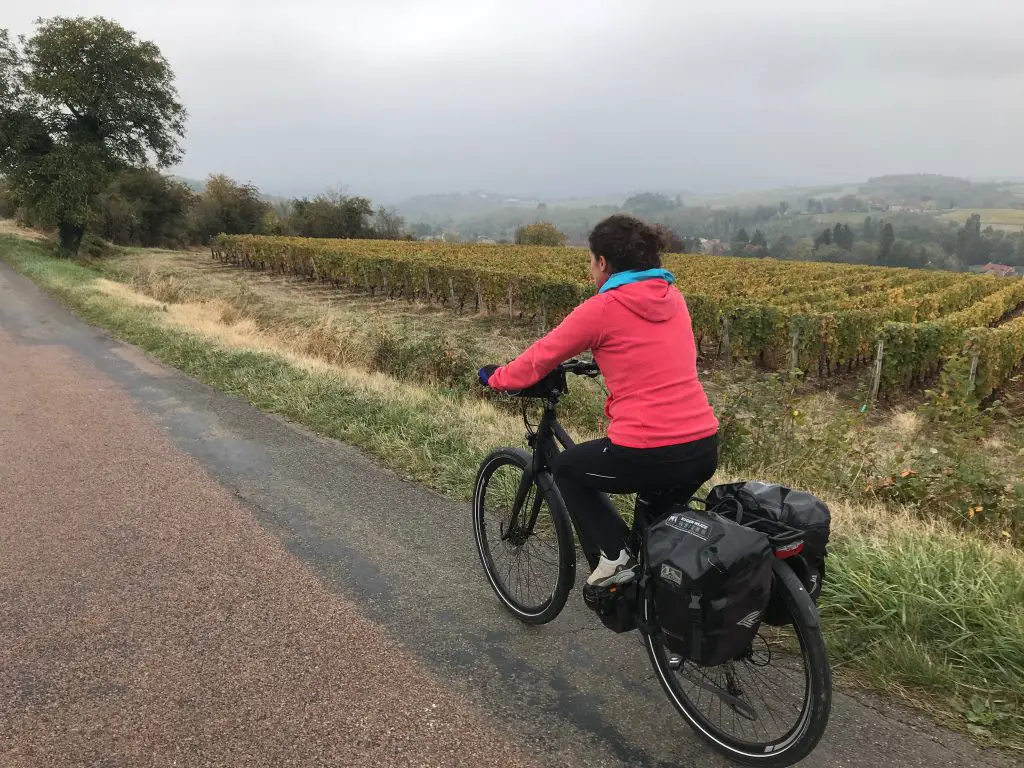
point(485, 373)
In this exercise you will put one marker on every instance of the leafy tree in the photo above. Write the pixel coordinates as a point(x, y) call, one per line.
point(144, 207)
point(649, 204)
point(781, 247)
point(79, 101)
point(8, 203)
point(831, 253)
point(540, 233)
point(422, 229)
point(673, 242)
point(864, 253)
point(850, 203)
point(905, 254)
point(843, 237)
point(824, 239)
point(332, 214)
point(229, 207)
point(1001, 249)
point(802, 250)
point(783, 208)
point(970, 246)
point(759, 240)
point(740, 241)
point(885, 243)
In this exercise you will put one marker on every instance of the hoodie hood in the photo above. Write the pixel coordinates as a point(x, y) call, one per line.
point(654, 300)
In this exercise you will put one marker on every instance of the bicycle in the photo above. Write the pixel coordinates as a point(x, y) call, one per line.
point(530, 511)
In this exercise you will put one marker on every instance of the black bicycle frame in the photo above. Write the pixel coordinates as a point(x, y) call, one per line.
point(549, 440)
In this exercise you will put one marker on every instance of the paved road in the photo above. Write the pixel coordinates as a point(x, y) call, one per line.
point(187, 581)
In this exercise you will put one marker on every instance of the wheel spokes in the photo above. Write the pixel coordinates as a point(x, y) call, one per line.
point(526, 562)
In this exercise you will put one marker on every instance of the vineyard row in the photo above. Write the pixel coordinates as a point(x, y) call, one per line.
point(923, 320)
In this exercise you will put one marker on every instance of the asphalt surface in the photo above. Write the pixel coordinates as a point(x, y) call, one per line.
point(185, 580)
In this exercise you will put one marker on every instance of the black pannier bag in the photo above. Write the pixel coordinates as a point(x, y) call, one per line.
point(711, 580)
point(795, 509)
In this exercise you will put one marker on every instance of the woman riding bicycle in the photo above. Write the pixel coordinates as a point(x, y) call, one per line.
point(663, 432)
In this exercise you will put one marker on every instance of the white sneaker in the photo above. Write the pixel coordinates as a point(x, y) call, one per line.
point(609, 572)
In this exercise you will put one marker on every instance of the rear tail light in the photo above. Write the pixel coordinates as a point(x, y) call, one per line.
point(789, 550)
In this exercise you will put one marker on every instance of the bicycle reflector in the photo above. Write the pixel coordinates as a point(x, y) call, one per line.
point(790, 550)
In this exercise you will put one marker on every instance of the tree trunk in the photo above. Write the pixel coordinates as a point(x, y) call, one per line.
point(70, 238)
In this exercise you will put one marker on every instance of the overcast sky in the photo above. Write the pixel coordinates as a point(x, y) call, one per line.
point(586, 97)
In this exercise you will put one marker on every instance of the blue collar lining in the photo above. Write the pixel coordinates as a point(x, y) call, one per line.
point(636, 276)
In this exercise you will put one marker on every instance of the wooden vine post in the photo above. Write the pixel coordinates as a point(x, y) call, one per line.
point(972, 379)
point(876, 379)
point(726, 347)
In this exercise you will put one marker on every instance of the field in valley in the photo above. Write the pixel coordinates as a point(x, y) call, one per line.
point(1009, 219)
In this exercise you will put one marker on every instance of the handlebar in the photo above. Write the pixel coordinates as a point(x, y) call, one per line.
point(580, 368)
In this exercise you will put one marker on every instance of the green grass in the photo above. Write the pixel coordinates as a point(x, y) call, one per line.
point(935, 613)
point(916, 610)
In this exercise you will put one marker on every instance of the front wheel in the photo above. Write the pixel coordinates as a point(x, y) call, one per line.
point(768, 708)
point(528, 554)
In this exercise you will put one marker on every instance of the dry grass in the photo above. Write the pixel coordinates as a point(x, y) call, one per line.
point(220, 322)
point(11, 227)
point(904, 425)
point(328, 332)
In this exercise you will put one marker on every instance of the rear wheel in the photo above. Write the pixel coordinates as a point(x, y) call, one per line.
point(769, 708)
point(531, 569)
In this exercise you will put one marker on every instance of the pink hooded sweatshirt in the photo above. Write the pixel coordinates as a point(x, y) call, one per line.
point(642, 339)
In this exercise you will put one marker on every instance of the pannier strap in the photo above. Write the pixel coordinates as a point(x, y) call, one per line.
point(696, 625)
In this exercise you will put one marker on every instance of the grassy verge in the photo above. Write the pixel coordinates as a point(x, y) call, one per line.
point(912, 606)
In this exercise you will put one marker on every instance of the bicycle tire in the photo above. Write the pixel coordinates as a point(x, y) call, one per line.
point(800, 741)
point(547, 610)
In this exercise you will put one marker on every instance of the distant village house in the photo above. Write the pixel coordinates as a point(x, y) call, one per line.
point(999, 270)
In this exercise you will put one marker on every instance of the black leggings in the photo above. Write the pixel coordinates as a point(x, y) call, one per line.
point(586, 470)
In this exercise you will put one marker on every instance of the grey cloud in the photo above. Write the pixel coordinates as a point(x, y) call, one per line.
point(585, 96)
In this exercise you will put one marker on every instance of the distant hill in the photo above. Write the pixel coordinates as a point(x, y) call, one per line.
point(944, 191)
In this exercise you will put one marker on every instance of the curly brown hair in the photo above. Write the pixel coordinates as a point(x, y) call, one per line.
point(628, 243)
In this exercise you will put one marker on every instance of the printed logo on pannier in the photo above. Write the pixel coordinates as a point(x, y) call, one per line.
point(749, 620)
point(689, 525)
point(674, 575)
